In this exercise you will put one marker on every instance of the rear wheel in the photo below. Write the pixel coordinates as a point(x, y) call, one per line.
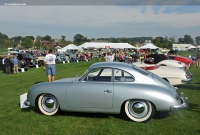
point(48, 104)
point(139, 110)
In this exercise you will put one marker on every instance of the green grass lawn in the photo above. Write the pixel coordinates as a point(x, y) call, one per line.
point(14, 121)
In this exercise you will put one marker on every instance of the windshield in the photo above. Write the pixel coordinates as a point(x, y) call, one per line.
point(83, 75)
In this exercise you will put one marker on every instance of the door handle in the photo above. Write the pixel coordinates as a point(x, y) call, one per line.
point(108, 91)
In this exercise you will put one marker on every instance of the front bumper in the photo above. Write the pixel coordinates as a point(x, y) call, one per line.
point(24, 103)
point(183, 105)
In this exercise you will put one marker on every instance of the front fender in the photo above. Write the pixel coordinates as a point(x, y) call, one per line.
point(57, 89)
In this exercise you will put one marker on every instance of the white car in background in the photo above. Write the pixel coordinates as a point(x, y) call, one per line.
point(159, 59)
point(175, 76)
point(171, 63)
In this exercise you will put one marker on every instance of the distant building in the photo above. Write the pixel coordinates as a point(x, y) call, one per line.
point(183, 47)
point(54, 44)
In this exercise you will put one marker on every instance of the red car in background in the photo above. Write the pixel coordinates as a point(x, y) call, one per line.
point(84, 57)
point(185, 60)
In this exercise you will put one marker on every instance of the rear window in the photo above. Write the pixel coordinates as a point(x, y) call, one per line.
point(140, 70)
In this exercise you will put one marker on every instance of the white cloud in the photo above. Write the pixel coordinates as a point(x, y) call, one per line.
point(95, 16)
point(110, 20)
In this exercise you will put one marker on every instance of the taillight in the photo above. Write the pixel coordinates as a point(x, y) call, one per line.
point(151, 67)
point(187, 76)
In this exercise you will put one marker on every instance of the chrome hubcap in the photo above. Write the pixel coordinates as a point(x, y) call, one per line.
point(49, 103)
point(138, 109)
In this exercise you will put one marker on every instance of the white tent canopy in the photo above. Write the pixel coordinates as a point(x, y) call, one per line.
point(70, 47)
point(106, 45)
point(148, 46)
point(192, 47)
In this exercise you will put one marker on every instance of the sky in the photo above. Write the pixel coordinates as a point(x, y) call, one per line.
point(101, 21)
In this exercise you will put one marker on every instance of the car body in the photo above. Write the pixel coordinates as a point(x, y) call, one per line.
point(185, 60)
point(29, 59)
point(60, 57)
point(13, 51)
point(40, 58)
point(170, 63)
point(84, 57)
point(159, 59)
point(173, 75)
point(107, 87)
point(173, 52)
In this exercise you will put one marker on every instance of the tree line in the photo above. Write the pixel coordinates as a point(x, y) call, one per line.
point(37, 42)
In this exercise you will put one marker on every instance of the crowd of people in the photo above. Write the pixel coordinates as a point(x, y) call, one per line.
point(123, 56)
point(10, 64)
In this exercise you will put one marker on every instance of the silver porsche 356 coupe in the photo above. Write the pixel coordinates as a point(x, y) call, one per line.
point(107, 87)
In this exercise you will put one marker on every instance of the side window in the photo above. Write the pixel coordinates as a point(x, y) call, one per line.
point(122, 76)
point(99, 74)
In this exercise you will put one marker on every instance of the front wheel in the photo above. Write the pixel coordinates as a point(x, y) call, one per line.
point(139, 110)
point(48, 104)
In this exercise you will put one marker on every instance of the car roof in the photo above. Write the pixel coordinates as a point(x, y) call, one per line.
point(118, 65)
point(23, 53)
point(111, 65)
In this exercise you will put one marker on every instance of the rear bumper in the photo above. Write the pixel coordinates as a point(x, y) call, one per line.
point(183, 105)
point(189, 78)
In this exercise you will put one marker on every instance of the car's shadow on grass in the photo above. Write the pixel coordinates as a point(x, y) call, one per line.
point(194, 107)
point(24, 109)
point(196, 86)
point(91, 115)
point(161, 115)
point(37, 82)
point(77, 114)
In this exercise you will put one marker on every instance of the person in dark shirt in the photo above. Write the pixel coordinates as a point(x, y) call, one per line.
point(7, 65)
point(198, 59)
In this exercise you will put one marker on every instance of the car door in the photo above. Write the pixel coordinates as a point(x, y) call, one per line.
point(94, 91)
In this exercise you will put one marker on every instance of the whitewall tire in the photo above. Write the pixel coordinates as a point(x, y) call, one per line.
point(48, 104)
point(139, 110)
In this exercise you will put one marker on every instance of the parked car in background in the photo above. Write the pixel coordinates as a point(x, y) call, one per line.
point(159, 59)
point(185, 60)
point(172, 52)
point(107, 87)
point(83, 57)
point(13, 51)
point(173, 75)
point(40, 58)
point(28, 58)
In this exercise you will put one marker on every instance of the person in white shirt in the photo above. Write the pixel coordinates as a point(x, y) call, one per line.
point(106, 58)
point(3, 63)
point(111, 57)
point(50, 65)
